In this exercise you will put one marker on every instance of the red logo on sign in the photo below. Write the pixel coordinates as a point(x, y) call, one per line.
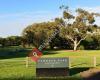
point(35, 54)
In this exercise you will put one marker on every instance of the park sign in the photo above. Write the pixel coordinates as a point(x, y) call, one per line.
point(53, 63)
point(52, 67)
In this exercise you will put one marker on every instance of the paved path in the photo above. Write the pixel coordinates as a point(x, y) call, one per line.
point(91, 74)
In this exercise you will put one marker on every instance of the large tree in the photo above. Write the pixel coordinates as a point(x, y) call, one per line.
point(78, 27)
point(38, 33)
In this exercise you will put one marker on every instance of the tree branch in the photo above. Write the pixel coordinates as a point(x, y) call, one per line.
point(81, 40)
point(70, 38)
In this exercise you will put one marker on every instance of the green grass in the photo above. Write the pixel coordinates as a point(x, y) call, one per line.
point(63, 53)
point(13, 69)
point(83, 58)
point(16, 71)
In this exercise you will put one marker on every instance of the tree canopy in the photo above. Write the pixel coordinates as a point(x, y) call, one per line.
point(80, 27)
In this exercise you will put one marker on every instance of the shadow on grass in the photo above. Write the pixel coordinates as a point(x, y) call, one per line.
point(49, 52)
point(74, 71)
point(7, 53)
point(17, 53)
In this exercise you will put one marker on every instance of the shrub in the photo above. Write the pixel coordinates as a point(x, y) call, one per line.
point(81, 47)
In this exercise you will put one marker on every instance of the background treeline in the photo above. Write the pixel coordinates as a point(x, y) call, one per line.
point(36, 34)
point(10, 41)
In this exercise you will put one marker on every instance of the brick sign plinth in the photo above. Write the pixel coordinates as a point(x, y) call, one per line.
point(52, 67)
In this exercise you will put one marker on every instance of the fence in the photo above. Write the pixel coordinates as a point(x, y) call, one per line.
point(78, 61)
point(84, 61)
point(26, 62)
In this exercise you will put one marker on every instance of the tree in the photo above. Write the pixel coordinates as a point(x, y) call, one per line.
point(1, 42)
point(13, 41)
point(78, 27)
point(38, 33)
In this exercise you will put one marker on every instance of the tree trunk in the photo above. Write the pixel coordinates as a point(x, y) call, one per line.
point(75, 45)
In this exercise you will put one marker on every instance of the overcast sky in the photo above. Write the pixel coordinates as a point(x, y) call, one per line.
point(15, 15)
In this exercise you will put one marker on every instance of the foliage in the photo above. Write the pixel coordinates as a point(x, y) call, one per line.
point(38, 33)
point(81, 47)
point(11, 41)
point(80, 28)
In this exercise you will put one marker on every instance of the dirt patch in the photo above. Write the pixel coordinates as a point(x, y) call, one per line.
point(91, 74)
point(72, 50)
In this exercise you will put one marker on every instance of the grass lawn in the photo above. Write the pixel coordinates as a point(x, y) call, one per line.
point(13, 69)
point(83, 58)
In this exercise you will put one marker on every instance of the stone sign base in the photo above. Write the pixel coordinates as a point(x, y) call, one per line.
point(52, 72)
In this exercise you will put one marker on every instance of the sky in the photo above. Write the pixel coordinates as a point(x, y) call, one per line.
point(15, 15)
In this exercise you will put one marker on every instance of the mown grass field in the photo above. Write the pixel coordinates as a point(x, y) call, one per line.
point(13, 61)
